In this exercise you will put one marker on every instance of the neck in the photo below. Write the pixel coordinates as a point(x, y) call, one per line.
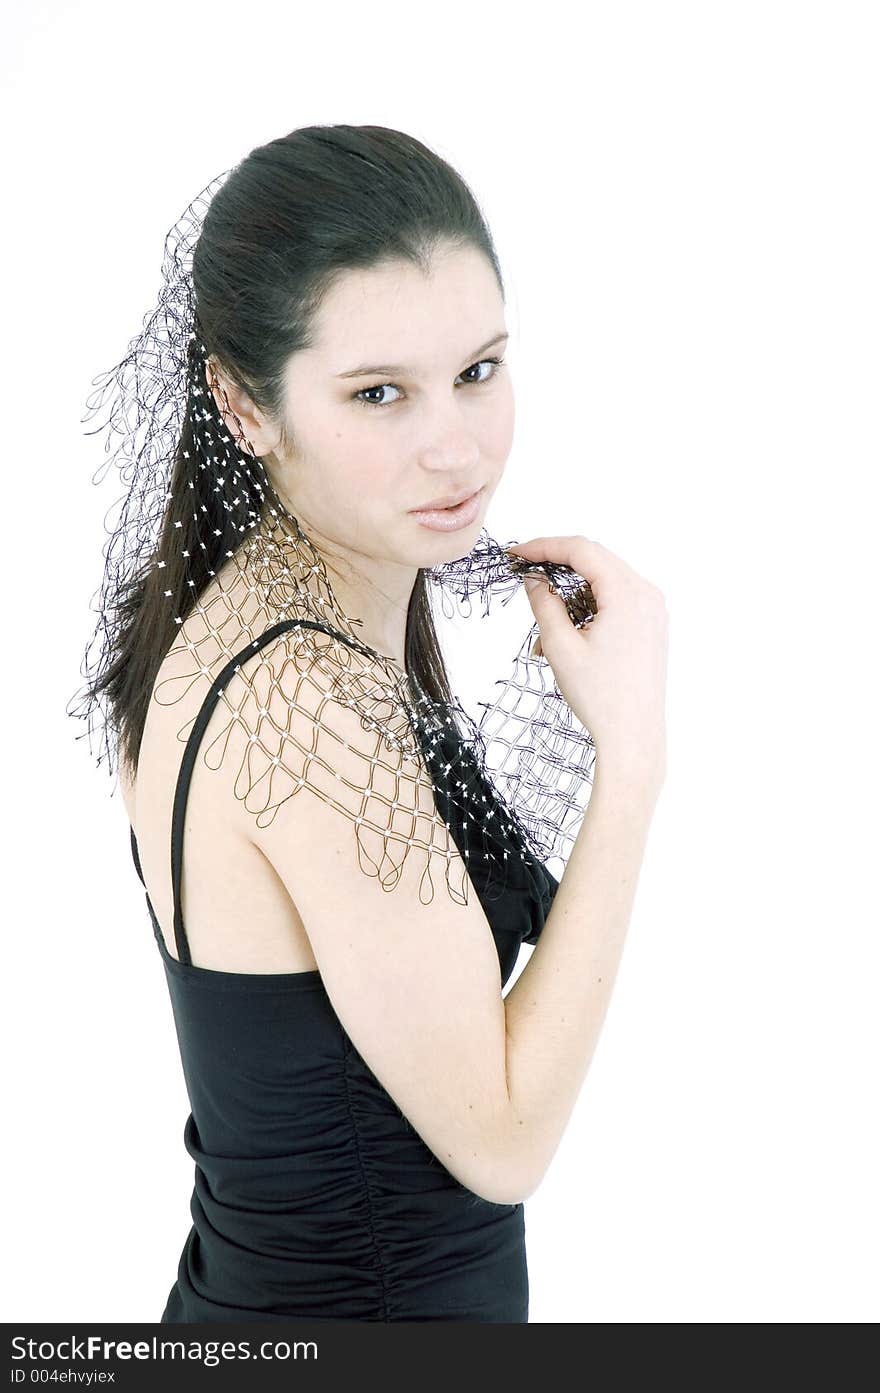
point(296, 571)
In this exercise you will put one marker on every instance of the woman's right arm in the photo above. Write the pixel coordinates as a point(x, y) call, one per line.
point(613, 675)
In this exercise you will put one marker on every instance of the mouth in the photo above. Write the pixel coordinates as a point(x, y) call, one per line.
point(449, 519)
point(450, 500)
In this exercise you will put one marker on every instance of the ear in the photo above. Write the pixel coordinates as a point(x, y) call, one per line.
point(253, 435)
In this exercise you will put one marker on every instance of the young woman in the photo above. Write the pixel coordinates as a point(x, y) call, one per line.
point(368, 1110)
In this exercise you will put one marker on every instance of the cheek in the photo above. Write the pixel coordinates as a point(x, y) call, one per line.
point(370, 481)
point(361, 463)
point(498, 437)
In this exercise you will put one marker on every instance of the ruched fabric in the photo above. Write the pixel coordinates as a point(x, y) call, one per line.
point(314, 1196)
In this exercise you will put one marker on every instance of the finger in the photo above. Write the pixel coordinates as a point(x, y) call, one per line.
point(550, 548)
point(549, 609)
point(585, 556)
point(565, 551)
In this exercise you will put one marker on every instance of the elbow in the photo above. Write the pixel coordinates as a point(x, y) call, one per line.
point(508, 1192)
point(502, 1167)
point(506, 1182)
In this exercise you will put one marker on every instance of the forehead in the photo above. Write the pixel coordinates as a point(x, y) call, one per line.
point(396, 312)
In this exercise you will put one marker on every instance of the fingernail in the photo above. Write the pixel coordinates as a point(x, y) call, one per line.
point(531, 581)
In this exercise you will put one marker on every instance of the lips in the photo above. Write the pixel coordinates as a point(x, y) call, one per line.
point(451, 500)
point(451, 518)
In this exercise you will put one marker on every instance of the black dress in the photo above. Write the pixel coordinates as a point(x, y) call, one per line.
point(314, 1196)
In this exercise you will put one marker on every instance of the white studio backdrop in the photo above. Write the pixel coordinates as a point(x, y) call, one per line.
point(684, 198)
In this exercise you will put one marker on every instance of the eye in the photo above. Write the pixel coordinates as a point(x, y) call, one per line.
point(495, 363)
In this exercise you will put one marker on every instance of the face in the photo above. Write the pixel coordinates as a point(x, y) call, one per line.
point(396, 404)
point(433, 420)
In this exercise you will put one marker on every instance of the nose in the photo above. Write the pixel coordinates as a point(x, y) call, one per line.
point(455, 451)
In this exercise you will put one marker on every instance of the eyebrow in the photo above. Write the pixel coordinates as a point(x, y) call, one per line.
point(369, 369)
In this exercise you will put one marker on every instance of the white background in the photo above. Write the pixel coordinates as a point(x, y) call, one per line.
point(685, 201)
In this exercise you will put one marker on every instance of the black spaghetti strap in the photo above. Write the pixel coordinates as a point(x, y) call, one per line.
point(136, 858)
point(189, 759)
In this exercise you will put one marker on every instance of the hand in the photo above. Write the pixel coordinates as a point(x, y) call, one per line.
point(612, 671)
